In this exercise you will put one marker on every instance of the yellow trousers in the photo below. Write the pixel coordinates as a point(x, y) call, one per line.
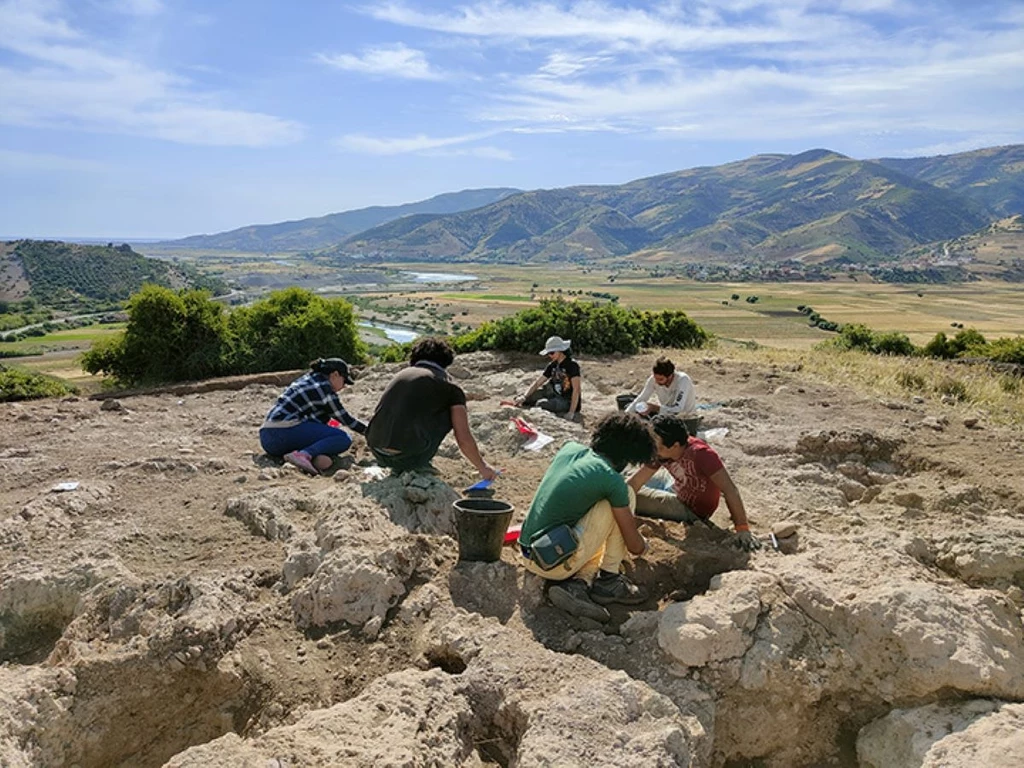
point(601, 546)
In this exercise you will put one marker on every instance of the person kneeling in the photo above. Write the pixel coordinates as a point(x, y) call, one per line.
point(584, 490)
point(296, 427)
point(699, 480)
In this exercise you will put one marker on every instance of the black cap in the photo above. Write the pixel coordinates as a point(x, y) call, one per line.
point(334, 364)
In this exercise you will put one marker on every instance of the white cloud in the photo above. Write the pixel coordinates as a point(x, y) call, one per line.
point(412, 144)
point(592, 20)
point(389, 61)
point(70, 83)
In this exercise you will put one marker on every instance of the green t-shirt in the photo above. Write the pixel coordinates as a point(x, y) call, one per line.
point(577, 479)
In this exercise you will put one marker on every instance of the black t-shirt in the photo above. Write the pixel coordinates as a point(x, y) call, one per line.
point(561, 374)
point(414, 413)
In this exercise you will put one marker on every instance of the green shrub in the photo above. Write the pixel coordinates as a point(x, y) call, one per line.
point(170, 336)
point(16, 384)
point(394, 353)
point(892, 344)
point(593, 328)
point(855, 336)
point(1007, 350)
point(184, 335)
point(289, 328)
point(939, 347)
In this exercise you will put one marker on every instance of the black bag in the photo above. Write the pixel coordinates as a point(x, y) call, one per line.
point(553, 547)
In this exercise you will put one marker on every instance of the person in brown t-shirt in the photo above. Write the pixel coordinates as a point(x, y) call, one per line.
point(418, 409)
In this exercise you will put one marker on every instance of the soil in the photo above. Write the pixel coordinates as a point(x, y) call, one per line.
point(155, 474)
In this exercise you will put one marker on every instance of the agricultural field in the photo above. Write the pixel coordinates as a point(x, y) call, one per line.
point(994, 308)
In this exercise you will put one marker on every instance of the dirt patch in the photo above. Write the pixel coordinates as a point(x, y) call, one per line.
point(191, 592)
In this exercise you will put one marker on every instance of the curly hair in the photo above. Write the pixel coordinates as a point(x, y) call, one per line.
point(433, 350)
point(664, 367)
point(671, 430)
point(623, 438)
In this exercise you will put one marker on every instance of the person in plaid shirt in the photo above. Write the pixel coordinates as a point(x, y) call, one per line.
point(296, 427)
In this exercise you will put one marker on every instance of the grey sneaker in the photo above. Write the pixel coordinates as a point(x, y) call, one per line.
point(617, 589)
point(571, 596)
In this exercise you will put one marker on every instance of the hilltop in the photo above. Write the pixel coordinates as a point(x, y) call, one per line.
point(815, 207)
point(323, 231)
point(188, 602)
point(993, 176)
point(70, 276)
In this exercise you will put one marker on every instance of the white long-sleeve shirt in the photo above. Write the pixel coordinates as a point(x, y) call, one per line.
point(679, 398)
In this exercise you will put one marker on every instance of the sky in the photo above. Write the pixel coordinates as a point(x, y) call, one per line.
point(165, 118)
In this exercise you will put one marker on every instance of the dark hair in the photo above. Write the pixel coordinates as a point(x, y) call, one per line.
point(331, 365)
point(433, 350)
point(664, 367)
point(623, 438)
point(671, 430)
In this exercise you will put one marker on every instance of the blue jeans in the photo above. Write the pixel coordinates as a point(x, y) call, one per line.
point(314, 438)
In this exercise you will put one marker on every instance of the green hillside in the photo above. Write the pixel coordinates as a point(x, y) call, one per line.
point(69, 276)
point(323, 231)
point(993, 176)
point(814, 206)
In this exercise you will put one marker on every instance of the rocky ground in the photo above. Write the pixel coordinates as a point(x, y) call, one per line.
point(191, 603)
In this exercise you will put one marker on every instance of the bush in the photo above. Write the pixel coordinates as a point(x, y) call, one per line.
point(594, 328)
point(892, 344)
point(184, 335)
point(16, 384)
point(1007, 350)
point(289, 328)
point(171, 336)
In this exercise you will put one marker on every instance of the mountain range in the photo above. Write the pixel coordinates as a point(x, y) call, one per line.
point(323, 231)
point(817, 206)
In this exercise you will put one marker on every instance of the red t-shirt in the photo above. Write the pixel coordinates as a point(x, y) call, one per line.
point(692, 475)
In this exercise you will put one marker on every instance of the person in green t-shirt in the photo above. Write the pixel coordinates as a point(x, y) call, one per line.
point(584, 488)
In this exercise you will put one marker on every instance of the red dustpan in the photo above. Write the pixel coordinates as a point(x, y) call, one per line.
point(512, 534)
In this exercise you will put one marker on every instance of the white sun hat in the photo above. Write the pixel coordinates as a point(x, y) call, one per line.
point(555, 344)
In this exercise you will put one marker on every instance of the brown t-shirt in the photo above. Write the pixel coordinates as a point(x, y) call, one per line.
point(414, 413)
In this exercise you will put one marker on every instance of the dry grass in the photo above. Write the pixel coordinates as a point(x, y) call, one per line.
point(967, 391)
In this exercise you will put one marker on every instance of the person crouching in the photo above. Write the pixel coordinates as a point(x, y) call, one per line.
point(296, 428)
point(584, 489)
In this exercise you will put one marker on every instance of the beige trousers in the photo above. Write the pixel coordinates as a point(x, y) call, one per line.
point(601, 546)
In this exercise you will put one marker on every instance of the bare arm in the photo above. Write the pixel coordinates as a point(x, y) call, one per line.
point(467, 443)
point(637, 479)
point(537, 384)
point(635, 543)
point(732, 499)
point(575, 399)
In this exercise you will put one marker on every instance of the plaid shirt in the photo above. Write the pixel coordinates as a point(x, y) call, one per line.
point(311, 398)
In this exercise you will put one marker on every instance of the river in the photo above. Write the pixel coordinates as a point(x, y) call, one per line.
point(395, 333)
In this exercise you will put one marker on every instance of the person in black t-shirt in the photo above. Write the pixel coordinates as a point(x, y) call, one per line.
point(418, 408)
point(557, 389)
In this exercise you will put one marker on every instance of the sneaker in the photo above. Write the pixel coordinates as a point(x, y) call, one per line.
point(571, 596)
point(617, 589)
point(301, 460)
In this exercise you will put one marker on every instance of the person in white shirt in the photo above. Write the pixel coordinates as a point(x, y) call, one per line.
point(674, 389)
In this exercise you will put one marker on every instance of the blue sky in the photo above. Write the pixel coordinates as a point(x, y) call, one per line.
point(158, 118)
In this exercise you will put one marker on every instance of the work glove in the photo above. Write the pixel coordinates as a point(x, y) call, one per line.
point(747, 541)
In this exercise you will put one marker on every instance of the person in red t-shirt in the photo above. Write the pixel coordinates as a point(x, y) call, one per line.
point(699, 481)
